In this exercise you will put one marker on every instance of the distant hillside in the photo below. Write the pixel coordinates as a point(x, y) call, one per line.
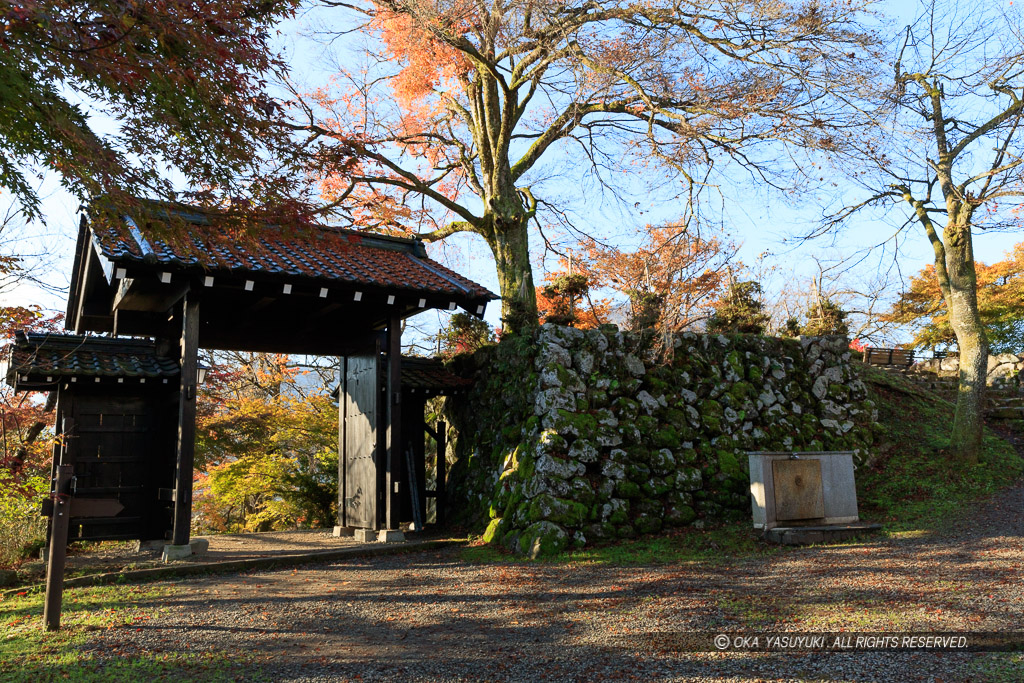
point(909, 479)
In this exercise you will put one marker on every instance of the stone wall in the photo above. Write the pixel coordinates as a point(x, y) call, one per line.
point(575, 436)
point(1002, 368)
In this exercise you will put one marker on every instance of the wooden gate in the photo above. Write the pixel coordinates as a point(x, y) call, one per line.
point(361, 432)
point(119, 450)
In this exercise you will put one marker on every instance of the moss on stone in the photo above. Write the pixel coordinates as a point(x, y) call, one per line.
point(646, 424)
point(627, 489)
point(582, 491)
point(667, 437)
point(568, 513)
point(637, 471)
point(754, 374)
point(647, 524)
point(728, 464)
point(543, 539)
point(600, 530)
point(680, 515)
point(579, 424)
point(626, 408)
point(656, 386)
point(492, 533)
point(741, 391)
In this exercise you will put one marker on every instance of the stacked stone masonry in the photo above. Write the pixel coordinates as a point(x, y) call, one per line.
point(576, 436)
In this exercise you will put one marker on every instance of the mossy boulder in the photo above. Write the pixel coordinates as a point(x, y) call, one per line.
point(627, 489)
point(543, 539)
point(582, 491)
point(729, 464)
point(601, 530)
point(493, 532)
point(567, 513)
point(615, 511)
point(647, 524)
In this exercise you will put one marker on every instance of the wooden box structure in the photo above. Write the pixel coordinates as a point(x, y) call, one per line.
point(810, 488)
point(177, 275)
point(116, 411)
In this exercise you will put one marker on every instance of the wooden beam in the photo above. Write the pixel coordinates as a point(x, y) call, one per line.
point(186, 420)
point(142, 324)
point(83, 291)
point(262, 303)
point(148, 295)
point(392, 478)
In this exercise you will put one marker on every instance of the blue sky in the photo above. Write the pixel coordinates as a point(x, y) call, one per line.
point(759, 220)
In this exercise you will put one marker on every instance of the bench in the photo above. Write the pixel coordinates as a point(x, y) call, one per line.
point(895, 357)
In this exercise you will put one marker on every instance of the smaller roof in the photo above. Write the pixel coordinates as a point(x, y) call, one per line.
point(40, 361)
point(431, 376)
point(427, 376)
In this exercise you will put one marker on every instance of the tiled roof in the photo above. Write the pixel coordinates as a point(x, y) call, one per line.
point(39, 357)
point(316, 252)
point(428, 375)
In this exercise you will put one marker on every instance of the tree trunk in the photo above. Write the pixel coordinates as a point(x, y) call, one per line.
point(970, 336)
point(509, 243)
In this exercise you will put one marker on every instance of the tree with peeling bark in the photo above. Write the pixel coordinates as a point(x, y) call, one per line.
point(468, 114)
point(952, 163)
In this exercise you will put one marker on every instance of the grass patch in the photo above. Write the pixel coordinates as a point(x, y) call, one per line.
point(913, 481)
point(731, 541)
point(756, 610)
point(30, 654)
point(996, 667)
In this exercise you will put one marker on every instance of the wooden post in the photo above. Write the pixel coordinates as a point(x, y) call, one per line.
point(59, 524)
point(58, 413)
point(342, 407)
point(392, 469)
point(440, 500)
point(186, 421)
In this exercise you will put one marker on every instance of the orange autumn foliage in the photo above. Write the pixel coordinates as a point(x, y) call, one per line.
point(669, 280)
point(1000, 307)
point(462, 115)
point(566, 299)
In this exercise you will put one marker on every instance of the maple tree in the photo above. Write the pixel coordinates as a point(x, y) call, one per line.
point(267, 451)
point(1000, 306)
point(465, 109)
point(184, 84)
point(668, 279)
point(951, 162)
point(565, 299)
point(26, 436)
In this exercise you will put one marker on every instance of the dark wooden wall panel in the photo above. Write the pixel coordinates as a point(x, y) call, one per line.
point(120, 450)
point(361, 398)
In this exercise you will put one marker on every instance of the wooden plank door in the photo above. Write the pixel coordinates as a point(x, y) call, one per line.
point(360, 434)
point(113, 453)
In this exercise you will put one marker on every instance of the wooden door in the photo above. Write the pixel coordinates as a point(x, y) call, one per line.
point(117, 454)
point(360, 435)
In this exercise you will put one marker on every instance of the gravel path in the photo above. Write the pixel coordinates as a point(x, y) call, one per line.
point(433, 616)
point(120, 556)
